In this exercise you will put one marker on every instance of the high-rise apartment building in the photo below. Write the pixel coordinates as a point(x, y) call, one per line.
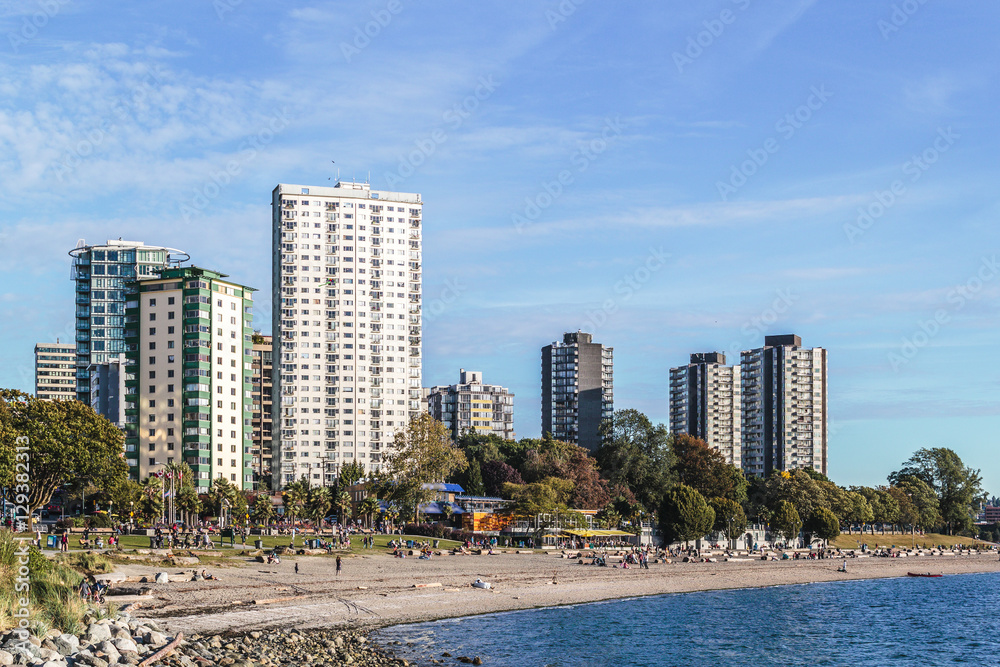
point(471, 405)
point(784, 400)
point(262, 393)
point(55, 371)
point(346, 323)
point(188, 371)
point(705, 403)
point(103, 274)
point(107, 389)
point(577, 389)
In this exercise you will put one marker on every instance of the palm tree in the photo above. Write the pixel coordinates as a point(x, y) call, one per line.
point(317, 505)
point(188, 503)
point(220, 494)
point(342, 501)
point(263, 509)
point(295, 496)
point(367, 508)
point(151, 504)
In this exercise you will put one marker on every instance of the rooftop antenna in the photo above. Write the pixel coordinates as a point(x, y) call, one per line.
point(338, 170)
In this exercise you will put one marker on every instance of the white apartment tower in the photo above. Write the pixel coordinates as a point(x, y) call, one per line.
point(55, 371)
point(346, 320)
point(705, 403)
point(784, 401)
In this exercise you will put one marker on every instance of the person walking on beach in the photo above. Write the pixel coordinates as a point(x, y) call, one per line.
point(339, 566)
point(296, 568)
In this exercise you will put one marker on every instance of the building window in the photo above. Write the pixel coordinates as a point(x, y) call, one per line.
point(152, 346)
point(152, 403)
point(152, 375)
point(152, 302)
point(152, 418)
point(152, 331)
point(170, 447)
point(170, 432)
point(152, 317)
point(152, 461)
point(152, 361)
point(170, 315)
point(152, 433)
point(170, 300)
point(152, 447)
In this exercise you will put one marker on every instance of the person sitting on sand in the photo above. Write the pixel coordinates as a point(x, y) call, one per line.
point(207, 577)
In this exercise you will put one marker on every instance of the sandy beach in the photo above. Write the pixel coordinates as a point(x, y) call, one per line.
point(378, 590)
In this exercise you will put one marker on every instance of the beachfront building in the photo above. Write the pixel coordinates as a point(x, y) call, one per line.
point(577, 389)
point(261, 378)
point(346, 316)
point(55, 371)
point(473, 406)
point(705, 403)
point(188, 376)
point(784, 406)
point(105, 278)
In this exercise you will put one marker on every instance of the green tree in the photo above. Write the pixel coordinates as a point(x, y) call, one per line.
point(796, 487)
point(908, 514)
point(151, 505)
point(924, 499)
point(318, 504)
point(188, 503)
point(127, 497)
point(607, 517)
point(730, 520)
point(637, 455)
point(350, 474)
point(422, 454)
point(786, 521)
point(958, 487)
point(367, 509)
point(66, 440)
point(263, 509)
point(222, 495)
point(684, 515)
point(704, 470)
point(474, 479)
point(342, 501)
point(538, 500)
point(294, 498)
point(824, 524)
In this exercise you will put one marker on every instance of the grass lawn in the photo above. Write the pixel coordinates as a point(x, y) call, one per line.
point(902, 540)
point(270, 542)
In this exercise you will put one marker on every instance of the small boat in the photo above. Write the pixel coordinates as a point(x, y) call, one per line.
point(923, 574)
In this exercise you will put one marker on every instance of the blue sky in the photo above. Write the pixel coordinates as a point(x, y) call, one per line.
point(672, 179)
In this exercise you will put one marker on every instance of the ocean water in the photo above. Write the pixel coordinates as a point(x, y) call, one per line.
point(903, 621)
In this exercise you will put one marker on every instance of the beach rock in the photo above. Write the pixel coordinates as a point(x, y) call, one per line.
point(66, 644)
point(125, 644)
point(6, 658)
point(97, 632)
point(154, 638)
point(162, 578)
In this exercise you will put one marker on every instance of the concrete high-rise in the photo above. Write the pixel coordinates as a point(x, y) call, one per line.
point(55, 371)
point(471, 405)
point(577, 389)
point(784, 402)
point(188, 389)
point(107, 389)
point(346, 321)
point(263, 394)
point(105, 278)
point(705, 403)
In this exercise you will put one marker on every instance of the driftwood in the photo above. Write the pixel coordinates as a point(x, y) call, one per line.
point(163, 652)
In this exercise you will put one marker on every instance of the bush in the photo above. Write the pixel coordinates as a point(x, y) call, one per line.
point(437, 530)
point(54, 602)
